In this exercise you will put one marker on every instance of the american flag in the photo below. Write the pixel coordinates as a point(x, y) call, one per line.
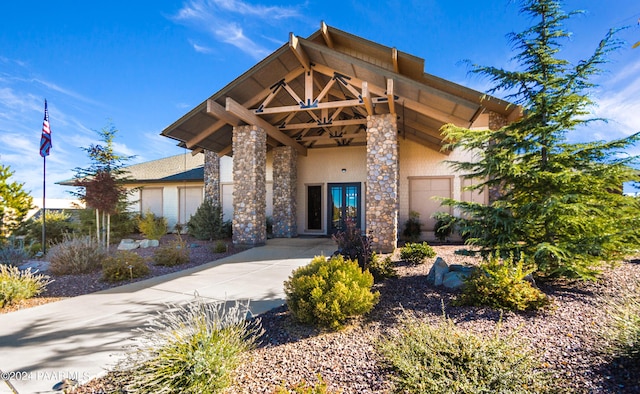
point(45, 141)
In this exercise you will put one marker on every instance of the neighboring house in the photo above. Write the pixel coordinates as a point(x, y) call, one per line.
point(338, 127)
point(173, 187)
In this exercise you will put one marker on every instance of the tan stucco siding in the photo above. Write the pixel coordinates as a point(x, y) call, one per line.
point(417, 161)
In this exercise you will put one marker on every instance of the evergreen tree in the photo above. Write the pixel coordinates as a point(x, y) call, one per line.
point(100, 185)
point(560, 203)
point(15, 203)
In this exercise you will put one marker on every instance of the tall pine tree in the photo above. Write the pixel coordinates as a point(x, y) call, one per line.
point(560, 203)
point(101, 185)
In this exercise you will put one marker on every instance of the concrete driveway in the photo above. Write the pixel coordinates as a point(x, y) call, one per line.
point(81, 337)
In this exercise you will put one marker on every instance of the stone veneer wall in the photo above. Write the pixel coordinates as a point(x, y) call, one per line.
point(212, 177)
point(382, 182)
point(496, 122)
point(285, 177)
point(250, 185)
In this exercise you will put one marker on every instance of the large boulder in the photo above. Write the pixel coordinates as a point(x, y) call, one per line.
point(437, 272)
point(149, 243)
point(128, 244)
point(454, 279)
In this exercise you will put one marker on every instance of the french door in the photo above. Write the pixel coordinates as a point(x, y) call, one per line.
point(344, 204)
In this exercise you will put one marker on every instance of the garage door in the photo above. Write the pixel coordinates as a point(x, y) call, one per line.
point(422, 193)
point(151, 201)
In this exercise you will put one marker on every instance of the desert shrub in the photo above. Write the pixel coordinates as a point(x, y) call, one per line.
point(122, 266)
point(353, 245)
point(443, 358)
point(502, 284)
point(304, 387)
point(152, 226)
point(381, 268)
point(415, 253)
point(191, 348)
point(412, 227)
point(220, 247)
point(10, 255)
point(17, 285)
point(327, 292)
point(172, 253)
point(623, 330)
point(75, 255)
point(206, 222)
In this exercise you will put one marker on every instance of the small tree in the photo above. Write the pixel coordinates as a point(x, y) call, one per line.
point(15, 203)
point(559, 202)
point(100, 185)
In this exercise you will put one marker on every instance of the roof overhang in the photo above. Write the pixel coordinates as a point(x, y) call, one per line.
point(317, 92)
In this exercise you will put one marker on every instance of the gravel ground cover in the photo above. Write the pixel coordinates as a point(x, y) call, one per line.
point(567, 335)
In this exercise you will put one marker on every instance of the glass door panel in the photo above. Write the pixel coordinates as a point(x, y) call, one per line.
point(344, 204)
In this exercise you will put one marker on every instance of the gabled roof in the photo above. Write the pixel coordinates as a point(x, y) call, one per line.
point(178, 168)
point(318, 91)
point(184, 167)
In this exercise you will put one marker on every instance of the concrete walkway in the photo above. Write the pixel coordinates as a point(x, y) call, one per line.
point(82, 337)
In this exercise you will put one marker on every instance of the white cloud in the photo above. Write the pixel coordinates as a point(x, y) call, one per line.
point(226, 21)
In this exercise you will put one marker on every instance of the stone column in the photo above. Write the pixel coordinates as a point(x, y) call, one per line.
point(284, 192)
point(212, 177)
point(250, 185)
point(382, 182)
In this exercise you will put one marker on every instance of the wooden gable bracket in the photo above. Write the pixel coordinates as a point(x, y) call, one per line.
point(325, 34)
point(301, 55)
point(249, 103)
point(249, 117)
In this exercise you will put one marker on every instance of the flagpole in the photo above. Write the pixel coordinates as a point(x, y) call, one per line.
point(44, 204)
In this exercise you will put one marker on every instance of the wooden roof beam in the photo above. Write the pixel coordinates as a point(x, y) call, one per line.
point(394, 59)
point(217, 110)
point(391, 97)
point(326, 35)
point(366, 98)
point(249, 117)
point(411, 104)
point(298, 51)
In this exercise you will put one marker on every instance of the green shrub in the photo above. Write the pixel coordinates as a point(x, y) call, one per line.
point(122, 223)
point(12, 256)
point(415, 253)
point(353, 245)
point(327, 292)
point(152, 226)
point(381, 268)
point(172, 253)
point(446, 359)
point(220, 247)
point(501, 284)
point(191, 348)
point(16, 285)
point(75, 255)
point(304, 387)
point(58, 224)
point(124, 265)
point(444, 225)
point(623, 330)
point(412, 227)
point(206, 222)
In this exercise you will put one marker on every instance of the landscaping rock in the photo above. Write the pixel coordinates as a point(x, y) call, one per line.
point(437, 272)
point(128, 244)
point(149, 243)
point(454, 279)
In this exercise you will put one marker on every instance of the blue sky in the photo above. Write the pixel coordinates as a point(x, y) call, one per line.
point(143, 64)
